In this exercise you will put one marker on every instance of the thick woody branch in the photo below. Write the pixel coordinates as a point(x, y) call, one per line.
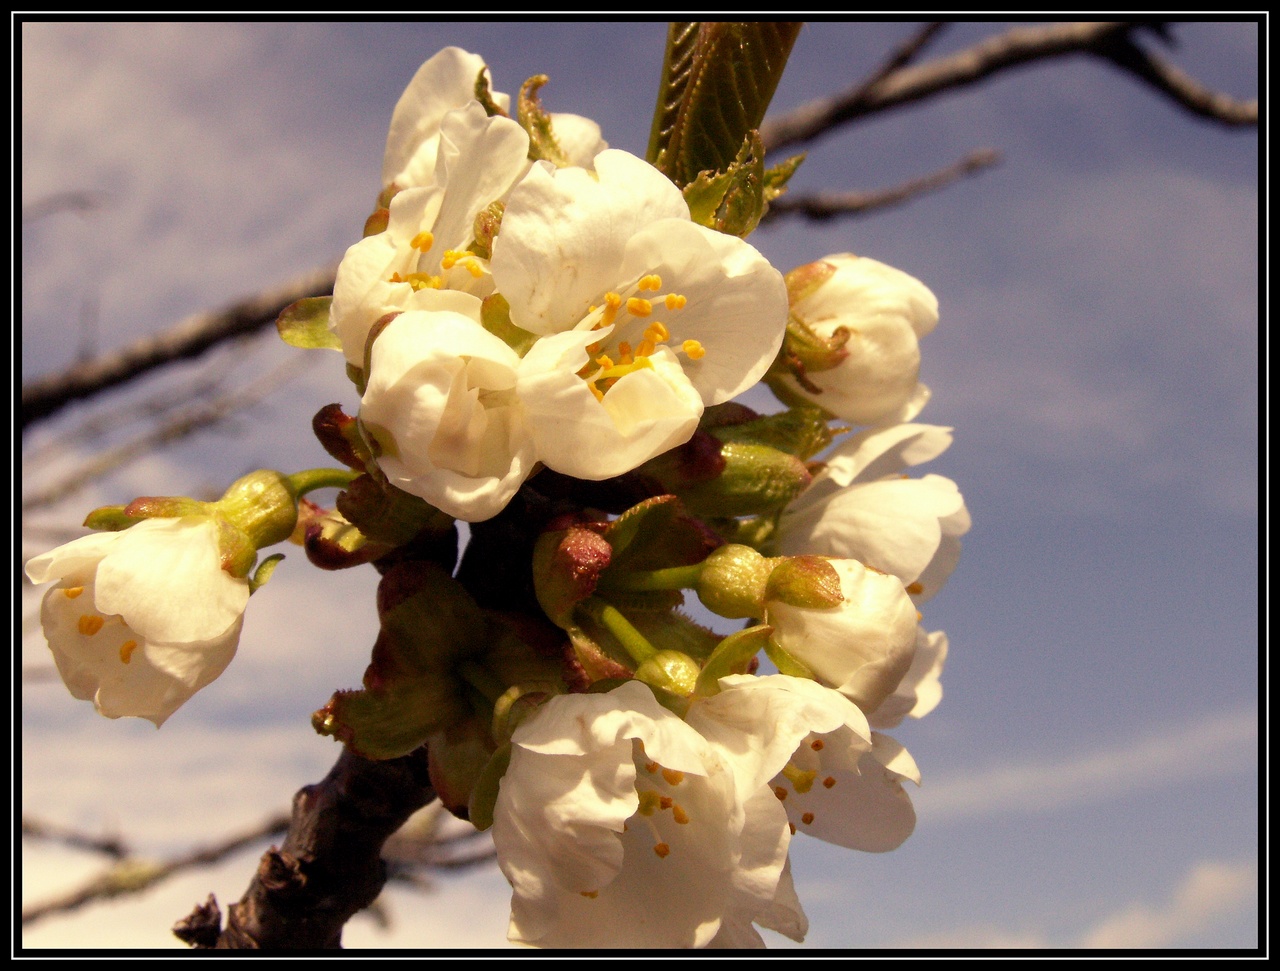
point(1016, 47)
point(330, 865)
point(190, 338)
point(828, 205)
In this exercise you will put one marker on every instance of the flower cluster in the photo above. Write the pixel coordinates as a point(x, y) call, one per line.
point(546, 336)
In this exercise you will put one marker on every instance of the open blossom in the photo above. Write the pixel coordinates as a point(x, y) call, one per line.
point(920, 689)
point(618, 825)
point(644, 317)
point(424, 246)
point(863, 646)
point(447, 81)
point(885, 312)
point(143, 618)
point(836, 779)
point(861, 507)
point(440, 403)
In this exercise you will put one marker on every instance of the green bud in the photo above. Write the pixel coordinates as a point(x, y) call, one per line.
point(804, 581)
point(757, 479)
point(733, 582)
point(263, 505)
point(670, 671)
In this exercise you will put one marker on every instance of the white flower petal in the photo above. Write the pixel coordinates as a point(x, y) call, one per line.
point(879, 452)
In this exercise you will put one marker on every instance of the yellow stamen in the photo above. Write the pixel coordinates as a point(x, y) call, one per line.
point(624, 353)
point(450, 259)
point(72, 592)
point(645, 349)
point(914, 588)
point(801, 780)
point(590, 894)
point(792, 827)
point(656, 332)
point(651, 767)
point(662, 849)
point(423, 241)
point(605, 361)
point(694, 349)
point(650, 802)
point(666, 802)
point(596, 391)
point(807, 818)
point(650, 282)
point(639, 307)
point(679, 815)
point(90, 625)
point(675, 301)
point(829, 781)
point(780, 792)
point(817, 745)
point(126, 650)
point(673, 777)
point(612, 301)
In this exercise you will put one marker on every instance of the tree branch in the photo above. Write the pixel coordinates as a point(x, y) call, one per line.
point(330, 865)
point(1021, 45)
point(190, 338)
point(828, 205)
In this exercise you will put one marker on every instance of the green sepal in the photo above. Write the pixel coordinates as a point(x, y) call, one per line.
point(675, 631)
point(732, 200)
point(785, 663)
point(305, 324)
point(110, 519)
point(804, 581)
point(537, 123)
point(484, 793)
point(717, 81)
point(495, 315)
point(263, 573)
point(757, 479)
point(732, 656)
point(164, 507)
point(429, 623)
point(377, 222)
point(757, 532)
point(332, 543)
point(777, 176)
point(456, 757)
point(356, 376)
point(657, 533)
point(801, 431)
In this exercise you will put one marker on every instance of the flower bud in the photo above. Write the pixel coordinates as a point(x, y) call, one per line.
point(733, 581)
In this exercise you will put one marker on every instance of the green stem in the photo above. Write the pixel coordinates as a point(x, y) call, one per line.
point(671, 578)
point(310, 480)
point(636, 644)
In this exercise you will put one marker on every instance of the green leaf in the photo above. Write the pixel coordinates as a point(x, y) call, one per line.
point(799, 431)
point(777, 176)
point(717, 81)
point(731, 201)
point(306, 324)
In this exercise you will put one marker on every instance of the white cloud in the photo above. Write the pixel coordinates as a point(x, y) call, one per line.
point(1220, 744)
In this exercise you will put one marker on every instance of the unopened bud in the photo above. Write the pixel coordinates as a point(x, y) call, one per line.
point(733, 581)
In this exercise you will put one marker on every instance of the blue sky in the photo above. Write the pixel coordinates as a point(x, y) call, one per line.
point(1090, 776)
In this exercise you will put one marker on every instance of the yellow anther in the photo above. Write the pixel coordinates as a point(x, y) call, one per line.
point(673, 777)
point(675, 301)
point(829, 781)
point(450, 258)
point(596, 391)
point(679, 815)
point(126, 650)
point(817, 745)
point(807, 818)
point(590, 894)
point(651, 767)
point(624, 353)
point(914, 588)
point(650, 282)
point(801, 780)
point(666, 802)
point(694, 349)
point(72, 592)
point(639, 307)
point(656, 332)
point(90, 625)
point(650, 802)
point(792, 827)
point(472, 267)
point(605, 361)
point(423, 241)
point(646, 348)
point(780, 792)
point(662, 849)
point(395, 278)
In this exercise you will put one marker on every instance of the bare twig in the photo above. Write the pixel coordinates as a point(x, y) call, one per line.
point(132, 874)
point(828, 205)
point(900, 57)
point(193, 336)
point(112, 846)
point(1181, 87)
point(183, 424)
point(330, 865)
point(1021, 45)
point(73, 201)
